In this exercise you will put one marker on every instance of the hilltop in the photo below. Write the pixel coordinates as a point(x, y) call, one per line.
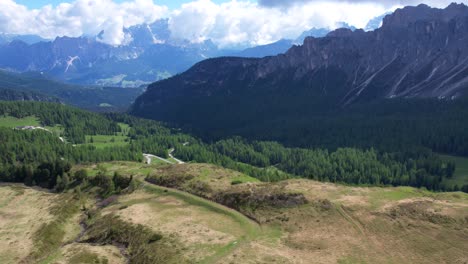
point(329, 223)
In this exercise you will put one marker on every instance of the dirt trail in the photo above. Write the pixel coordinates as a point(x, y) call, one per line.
point(351, 220)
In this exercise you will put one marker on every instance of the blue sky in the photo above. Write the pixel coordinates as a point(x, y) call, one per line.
point(39, 3)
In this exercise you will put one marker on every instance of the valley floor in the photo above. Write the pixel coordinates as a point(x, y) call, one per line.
point(294, 221)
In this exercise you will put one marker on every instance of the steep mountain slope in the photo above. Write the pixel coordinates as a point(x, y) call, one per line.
point(419, 52)
point(35, 86)
point(150, 53)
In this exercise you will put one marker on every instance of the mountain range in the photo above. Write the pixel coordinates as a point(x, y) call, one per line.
point(28, 39)
point(419, 52)
point(151, 54)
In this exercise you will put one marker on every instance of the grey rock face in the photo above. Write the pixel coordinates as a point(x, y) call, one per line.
point(418, 52)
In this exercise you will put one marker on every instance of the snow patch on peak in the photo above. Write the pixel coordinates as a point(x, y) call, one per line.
point(70, 61)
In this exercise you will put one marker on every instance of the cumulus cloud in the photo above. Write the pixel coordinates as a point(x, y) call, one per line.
point(246, 22)
point(388, 3)
point(236, 22)
point(82, 17)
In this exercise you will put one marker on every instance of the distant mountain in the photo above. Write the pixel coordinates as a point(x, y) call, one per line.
point(320, 32)
point(314, 32)
point(419, 52)
point(151, 55)
point(148, 34)
point(28, 39)
point(272, 49)
point(36, 87)
point(375, 23)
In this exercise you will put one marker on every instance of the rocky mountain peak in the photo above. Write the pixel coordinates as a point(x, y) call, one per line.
point(411, 14)
point(419, 52)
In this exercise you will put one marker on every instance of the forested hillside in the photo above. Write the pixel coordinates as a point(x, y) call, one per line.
point(387, 125)
point(88, 97)
point(26, 151)
point(15, 95)
point(400, 86)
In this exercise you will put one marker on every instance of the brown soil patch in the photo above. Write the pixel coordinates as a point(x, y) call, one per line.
point(350, 200)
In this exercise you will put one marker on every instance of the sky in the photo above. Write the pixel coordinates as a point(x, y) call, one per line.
point(227, 23)
point(40, 3)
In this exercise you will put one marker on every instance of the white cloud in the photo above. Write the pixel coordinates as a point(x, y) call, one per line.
point(389, 3)
point(237, 22)
point(247, 22)
point(82, 17)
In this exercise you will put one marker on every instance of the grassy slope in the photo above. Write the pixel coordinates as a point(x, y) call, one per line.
point(209, 233)
point(12, 122)
point(340, 224)
point(212, 219)
point(103, 141)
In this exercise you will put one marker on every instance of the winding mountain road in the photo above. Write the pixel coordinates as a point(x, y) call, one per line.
point(174, 158)
point(148, 158)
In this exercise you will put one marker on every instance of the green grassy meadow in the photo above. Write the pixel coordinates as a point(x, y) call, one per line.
point(460, 177)
point(12, 122)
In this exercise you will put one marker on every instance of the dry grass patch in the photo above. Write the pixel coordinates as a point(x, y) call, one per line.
point(84, 253)
point(22, 212)
point(200, 231)
point(186, 176)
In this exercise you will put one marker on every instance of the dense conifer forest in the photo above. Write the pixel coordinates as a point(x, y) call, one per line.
point(387, 125)
point(40, 157)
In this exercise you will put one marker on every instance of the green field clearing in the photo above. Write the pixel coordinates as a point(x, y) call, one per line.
point(102, 141)
point(125, 129)
point(9, 121)
point(57, 130)
point(13, 122)
point(460, 177)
